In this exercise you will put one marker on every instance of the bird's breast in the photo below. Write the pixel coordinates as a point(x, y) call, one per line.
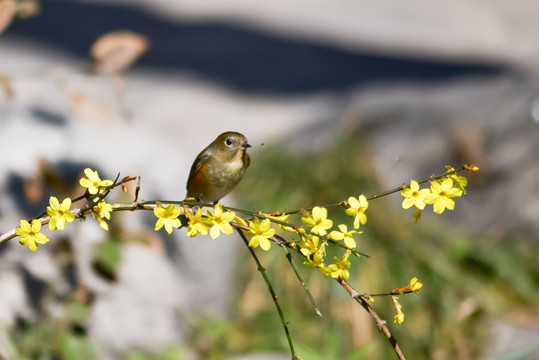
point(226, 174)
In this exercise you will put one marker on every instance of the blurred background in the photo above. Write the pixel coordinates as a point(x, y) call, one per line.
point(338, 98)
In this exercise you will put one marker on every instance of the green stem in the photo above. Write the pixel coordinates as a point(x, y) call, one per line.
point(273, 295)
point(301, 281)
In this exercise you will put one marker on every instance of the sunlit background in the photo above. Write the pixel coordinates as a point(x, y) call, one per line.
point(337, 98)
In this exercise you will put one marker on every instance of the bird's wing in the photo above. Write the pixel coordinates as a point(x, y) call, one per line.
point(199, 162)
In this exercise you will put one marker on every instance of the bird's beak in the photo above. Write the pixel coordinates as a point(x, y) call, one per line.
point(246, 145)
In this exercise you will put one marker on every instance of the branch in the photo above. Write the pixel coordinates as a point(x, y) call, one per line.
point(380, 323)
point(77, 212)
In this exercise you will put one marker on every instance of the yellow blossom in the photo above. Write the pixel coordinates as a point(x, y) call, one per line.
point(415, 285)
point(167, 217)
point(281, 218)
point(357, 208)
point(318, 221)
point(103, 209)
point(471, 167)
point(197, 224)
point(101, 212)
point(459, 181)
point(399, 318)
point(220, 221)
point(413, 196)
point(309, 245)
point(241, 221)
point(260, 233)
point(442, 194)
point(93, 182)
point(339, 270)
point(59, 213)
point(30, 234)
point(311, 248)
point(300, 230)
point(345, 235)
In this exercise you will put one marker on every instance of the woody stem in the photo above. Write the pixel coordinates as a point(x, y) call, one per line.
point(380, 323)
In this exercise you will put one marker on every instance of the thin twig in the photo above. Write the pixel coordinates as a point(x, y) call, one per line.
point(282, 243)
point(273, 295)
point(376, 196)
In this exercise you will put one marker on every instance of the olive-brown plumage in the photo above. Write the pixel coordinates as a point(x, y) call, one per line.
point(218, 168)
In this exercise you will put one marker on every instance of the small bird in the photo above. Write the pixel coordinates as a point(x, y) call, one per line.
point(218, 168)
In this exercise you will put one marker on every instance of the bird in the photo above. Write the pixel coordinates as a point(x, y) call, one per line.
point(218, 168)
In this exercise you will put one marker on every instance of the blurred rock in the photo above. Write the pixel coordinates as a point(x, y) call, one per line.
point(139, 311)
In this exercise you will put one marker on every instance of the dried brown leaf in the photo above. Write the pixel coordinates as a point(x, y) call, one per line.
point(114, 52)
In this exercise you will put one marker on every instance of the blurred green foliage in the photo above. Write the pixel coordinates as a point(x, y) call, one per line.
point(55, 337)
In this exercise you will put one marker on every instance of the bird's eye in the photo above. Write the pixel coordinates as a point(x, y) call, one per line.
point(228, 142)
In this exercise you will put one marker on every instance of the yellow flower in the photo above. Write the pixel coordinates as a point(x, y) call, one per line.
point(240, 221)
point(345, 235)
point(260, 233)
point(471, 167)
point(318, 221)
point(309, 245)
point(399, 318)
point(415, 285)
point(30, 234)
point(101, 212)
point(103, 209)
point(311, 248)
point(167, 217)
point(413, 196)
point(339, 270)
point(442, 194)
point(357, 208)
point(93, 182)
point(282, 218)
point(59, 213)
point(197, 224)
point(220, 221)
point(459, 181)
